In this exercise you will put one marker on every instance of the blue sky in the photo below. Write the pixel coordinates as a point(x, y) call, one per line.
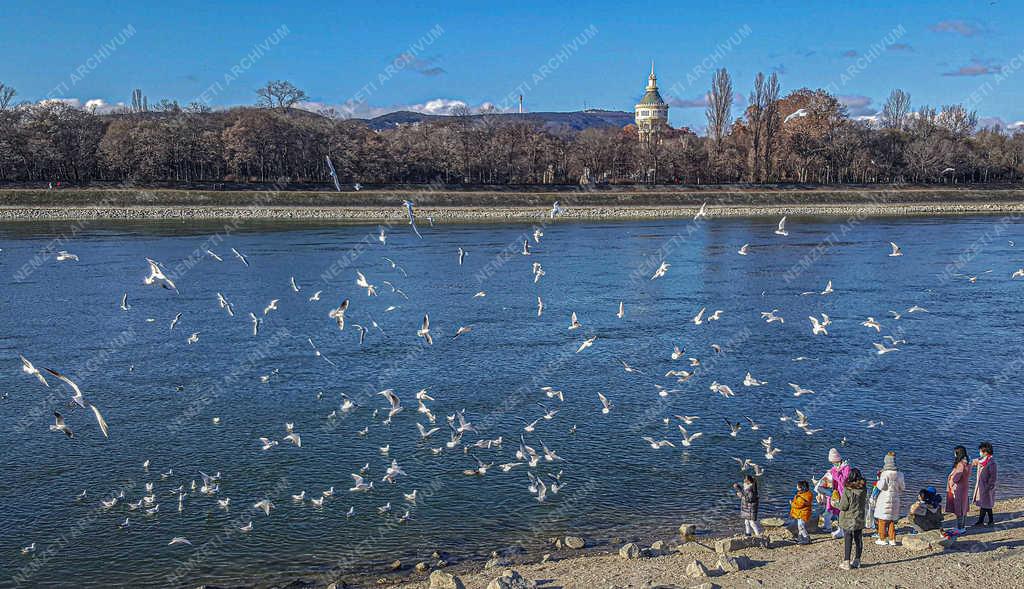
point(339, 52)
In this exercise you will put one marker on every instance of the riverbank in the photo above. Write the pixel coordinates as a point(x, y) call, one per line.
point(444, 206)
point(985, 557)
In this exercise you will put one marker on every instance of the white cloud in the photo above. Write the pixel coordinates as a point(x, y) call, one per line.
point(73, 102)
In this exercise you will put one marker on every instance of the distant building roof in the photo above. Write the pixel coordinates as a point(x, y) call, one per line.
point(652, 96)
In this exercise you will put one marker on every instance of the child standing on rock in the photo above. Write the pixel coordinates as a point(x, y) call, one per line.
point(749, 503)
point(800, 510)
point(852, 507)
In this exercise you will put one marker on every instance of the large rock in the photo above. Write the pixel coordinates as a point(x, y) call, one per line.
point(511, 580)
point(630, 551)
point(574, 542)
point(422, 567)
point(733, 564)
point(688, 532)
point(443, 580)
point(931, 540)
point(697, 570)
point(727, 545)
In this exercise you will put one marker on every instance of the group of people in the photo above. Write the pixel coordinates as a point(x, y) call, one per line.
point(850, 502)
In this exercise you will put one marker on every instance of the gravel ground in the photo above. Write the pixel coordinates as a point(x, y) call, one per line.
point(985, 557)
point(521, 214)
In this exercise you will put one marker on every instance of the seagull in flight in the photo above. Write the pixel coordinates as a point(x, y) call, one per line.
point(799, 390)
point(424, 330)
point(606, 405)
point(662, 269)
point(60, 426)
point(781, 230)
point(882, 349)
point(586, 344)
point(688, 438)
point(744, 250)
point(412, 216)
point(240, 257)
point(750, 381)
point(156, 276)
point(818, 327)
point(339, 314)
point(872, 323)
point(77, 396)
point(896, 251)
point(556, 210)
point(574, 323)
point(702, 212)
point(29, 369)
point(362, 282)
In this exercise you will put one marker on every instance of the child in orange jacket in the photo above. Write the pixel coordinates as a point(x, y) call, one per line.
point(800, 510)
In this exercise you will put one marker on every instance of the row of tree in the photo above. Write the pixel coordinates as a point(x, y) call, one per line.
point(805, 136)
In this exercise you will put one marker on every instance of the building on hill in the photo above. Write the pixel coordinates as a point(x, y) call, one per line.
point(651, 113)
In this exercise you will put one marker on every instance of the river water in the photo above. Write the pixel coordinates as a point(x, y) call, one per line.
point(952, 382)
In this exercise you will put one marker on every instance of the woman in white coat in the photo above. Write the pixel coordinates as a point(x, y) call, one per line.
point(887, 506)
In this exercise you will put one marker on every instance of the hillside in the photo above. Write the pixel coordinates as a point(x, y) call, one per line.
point(551, 121)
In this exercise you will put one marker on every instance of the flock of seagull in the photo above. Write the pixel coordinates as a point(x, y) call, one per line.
point(454, 433)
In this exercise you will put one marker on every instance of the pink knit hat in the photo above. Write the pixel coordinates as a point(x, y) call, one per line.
point(833, 456)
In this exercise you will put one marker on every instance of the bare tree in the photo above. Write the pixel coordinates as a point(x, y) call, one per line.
point(280, 94)
point(719, 107)
point(6, 96)
point(896, 110)
point(957, 120)
point(755, 115)
point(770, 121)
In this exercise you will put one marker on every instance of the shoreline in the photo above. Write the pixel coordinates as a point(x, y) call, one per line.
point(989, 556)
point(393, 215)
point(508, 205)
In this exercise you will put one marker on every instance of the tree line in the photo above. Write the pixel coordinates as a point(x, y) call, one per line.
point(805, 136)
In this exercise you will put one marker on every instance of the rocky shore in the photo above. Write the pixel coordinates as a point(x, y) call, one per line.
point(496, 214)
point(494, 206)
point(991, 557)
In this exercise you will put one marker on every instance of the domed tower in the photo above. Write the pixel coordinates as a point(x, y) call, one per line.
point(651, 113)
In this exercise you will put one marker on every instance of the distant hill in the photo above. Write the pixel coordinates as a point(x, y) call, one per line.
point(552, 121)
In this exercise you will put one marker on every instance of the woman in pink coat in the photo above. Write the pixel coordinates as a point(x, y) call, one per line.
point(958, 487)
point(985, 489)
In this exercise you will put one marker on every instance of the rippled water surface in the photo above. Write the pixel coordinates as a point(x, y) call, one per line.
point(953, 381)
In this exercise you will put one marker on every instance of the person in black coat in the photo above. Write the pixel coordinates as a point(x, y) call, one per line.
point(749, 503)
